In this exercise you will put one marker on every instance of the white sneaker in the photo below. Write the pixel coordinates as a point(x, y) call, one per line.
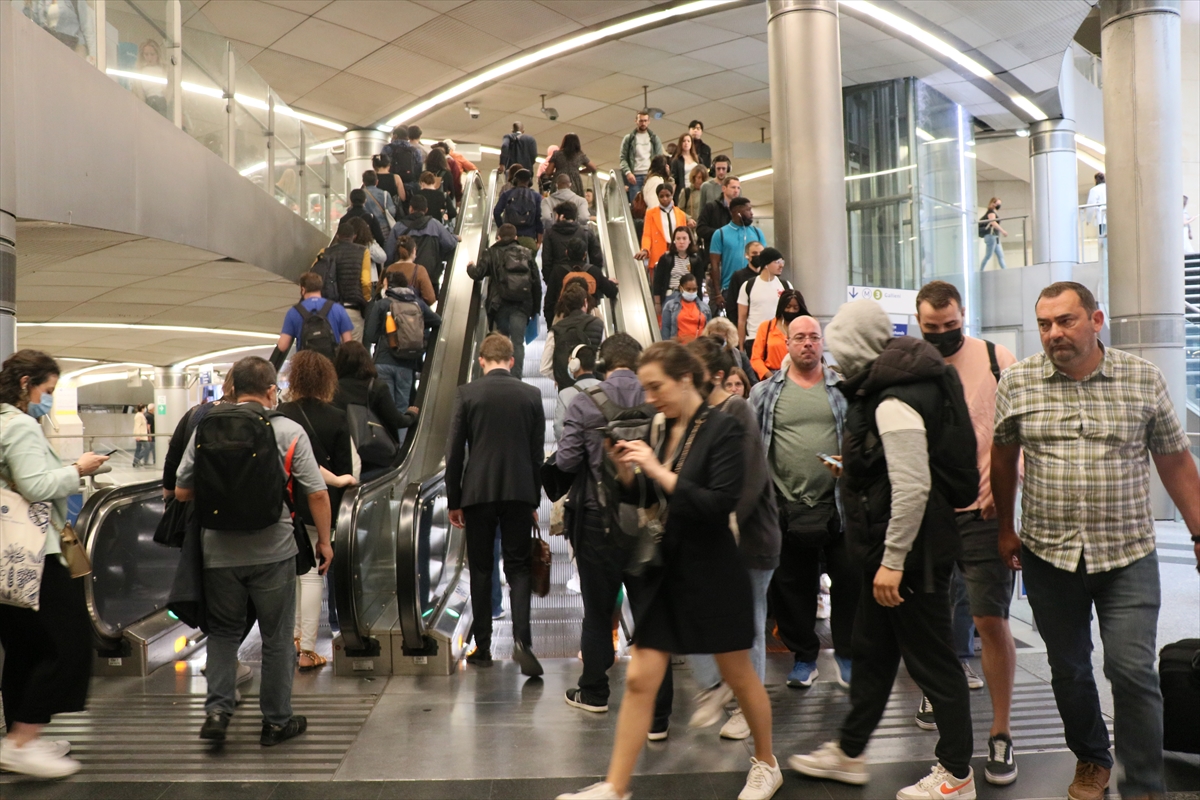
point(573, 585)
point(36, 760)
point(973, 679)
point(828, 761)
point(597, 791)
point(710, 703)
point(244, 673)
point(736, 727)
point(823, 605)
point(939, 783)
point(763, 781)
point(58, 748)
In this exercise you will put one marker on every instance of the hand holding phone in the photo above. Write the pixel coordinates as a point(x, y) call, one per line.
point(833, 463)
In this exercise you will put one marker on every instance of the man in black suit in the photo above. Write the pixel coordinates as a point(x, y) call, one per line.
point(502, 423)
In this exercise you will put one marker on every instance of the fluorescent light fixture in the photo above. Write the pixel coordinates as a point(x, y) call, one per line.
point(970, 155)
point(208, 91)
point(1090, 144)
point(216, 355)
point(881, 172)
point(103, 377)
point(1094, 163)
point(136, 76)
point(936, 44)
point(542, 54)
point(1022, 133)
point(86, 370)
point(259, 167)
point(491, 151)
point(246, 100)
point(750, 176)
point(943, 140)
point(132, 326)
point(924, 135)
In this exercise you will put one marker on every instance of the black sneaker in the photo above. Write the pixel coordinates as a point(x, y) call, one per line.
point(1001, 767)
point(576, 699)
point(275, 734)
point(214, 727)
point(480, 658)
point(925, 719)
point(659, 731)
point(530, 666)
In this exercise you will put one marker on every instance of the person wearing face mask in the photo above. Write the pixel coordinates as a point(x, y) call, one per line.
point(47, 652)
point(757, 298)
point(982, 584)
point(684, 315)
point(770, 340)
point(990, 231)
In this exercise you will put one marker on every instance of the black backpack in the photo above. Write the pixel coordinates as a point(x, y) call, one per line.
point(406, 165)
point(326, 267)
point(514, 279)
point(523, 207)
point(569, 333)
point(750, 286)
point(316, 333)
point(375, 445)
point(952, 456)
point(622, 423)
point(238, 475)
point(429, 251)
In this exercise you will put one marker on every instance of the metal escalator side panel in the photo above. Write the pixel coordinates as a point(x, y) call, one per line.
point(635, 312)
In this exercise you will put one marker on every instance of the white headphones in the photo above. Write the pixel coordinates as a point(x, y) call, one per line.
point(573, 364)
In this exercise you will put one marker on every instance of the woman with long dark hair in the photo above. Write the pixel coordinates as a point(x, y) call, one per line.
point(682, 258)
point(682, 164)
point(359, 384)
point(770, 342)
point(570, 159)
point(47, 652)
point(700, 596)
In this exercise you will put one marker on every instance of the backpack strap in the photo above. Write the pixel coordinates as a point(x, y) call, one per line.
point(991, 348)
point(303, 312)
point(603, 402)
point(324, 312)
point(287, 470)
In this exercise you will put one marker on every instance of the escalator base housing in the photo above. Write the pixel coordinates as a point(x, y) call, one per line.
point(151, 643)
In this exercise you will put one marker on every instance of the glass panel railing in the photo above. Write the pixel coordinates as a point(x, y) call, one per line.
point(287, 152)
point(139, 48)
point(72, 22)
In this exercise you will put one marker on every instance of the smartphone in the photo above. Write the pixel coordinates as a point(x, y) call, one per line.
point(830, 460)
point(105, 450)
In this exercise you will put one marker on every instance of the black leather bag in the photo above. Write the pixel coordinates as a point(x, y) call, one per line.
point(375, 445)
point(810, 526)
point(173, 525)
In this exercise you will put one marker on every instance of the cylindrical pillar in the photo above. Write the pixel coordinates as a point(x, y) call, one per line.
point(808, 148)
point(360, 146)
point(8, 187)
point(170, 404)
point(1144, 160)
point(1055, 189)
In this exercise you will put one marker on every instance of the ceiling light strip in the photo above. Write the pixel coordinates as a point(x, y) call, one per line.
point(762, 173)
point(931, 42)
point(131, 326)
point(76, 373)
point(216, 354)
point(550, 51)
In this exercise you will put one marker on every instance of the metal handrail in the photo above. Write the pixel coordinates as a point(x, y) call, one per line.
point(638, 322)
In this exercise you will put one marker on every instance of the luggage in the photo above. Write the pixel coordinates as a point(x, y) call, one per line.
point(316, 333)
point(1179, 677)
point(239, 478)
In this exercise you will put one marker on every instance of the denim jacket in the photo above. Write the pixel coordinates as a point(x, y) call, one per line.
point(765, 395)
point(670, 313)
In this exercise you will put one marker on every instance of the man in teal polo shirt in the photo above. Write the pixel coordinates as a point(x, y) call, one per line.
point(727, 251)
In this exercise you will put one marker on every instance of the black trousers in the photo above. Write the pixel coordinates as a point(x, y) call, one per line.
point(48, 652)
point(919, 631)
point(794, 590)
point(516, 528)
point(601, 574)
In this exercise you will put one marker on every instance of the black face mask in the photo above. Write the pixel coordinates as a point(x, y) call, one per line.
point(947, 343)
point(788, 316)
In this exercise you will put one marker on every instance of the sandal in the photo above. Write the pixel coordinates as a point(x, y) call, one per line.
point(316, 660)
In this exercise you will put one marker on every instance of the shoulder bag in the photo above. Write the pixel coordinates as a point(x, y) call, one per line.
point(22, 548)
point(539, 564)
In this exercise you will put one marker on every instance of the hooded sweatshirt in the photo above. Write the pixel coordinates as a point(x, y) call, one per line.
point(882, 374)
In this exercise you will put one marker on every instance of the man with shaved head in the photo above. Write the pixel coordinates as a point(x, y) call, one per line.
point(800, 414)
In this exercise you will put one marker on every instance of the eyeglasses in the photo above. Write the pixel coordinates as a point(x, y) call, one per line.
point(801, 338)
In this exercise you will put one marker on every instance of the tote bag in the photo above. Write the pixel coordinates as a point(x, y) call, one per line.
point(22, 548)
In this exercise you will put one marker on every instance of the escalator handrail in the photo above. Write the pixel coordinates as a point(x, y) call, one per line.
point(88, 525)
point(452, 358)
point(637, 319)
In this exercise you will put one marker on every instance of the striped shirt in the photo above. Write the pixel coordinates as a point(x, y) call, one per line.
point(1087, 445)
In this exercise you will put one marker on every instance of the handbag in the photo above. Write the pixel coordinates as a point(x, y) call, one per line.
point(391, 221)
point(639, 206)
point(74, 553)
point(372, 440)
point(539, 564)
point(306, 559)
point(22, 548)
point(809, 526)
point(173, 525)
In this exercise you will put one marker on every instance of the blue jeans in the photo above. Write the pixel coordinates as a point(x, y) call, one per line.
point(992, 243)
point(705, 667)
point(512, 321)
point(1127, 600)
point(637, 187)
point(399, 380)
point(962, 623)
point(272, 587)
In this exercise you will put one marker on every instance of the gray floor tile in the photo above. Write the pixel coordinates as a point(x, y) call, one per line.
point(666, 787)
point(538, 788)
point(327, 790)
point(215, 790)
point(16, 789)
point(436, 790)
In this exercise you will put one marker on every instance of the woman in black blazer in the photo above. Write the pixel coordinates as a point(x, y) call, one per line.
point(358, 384)
point(312, 382)
point(700, 596)
point(664, 270)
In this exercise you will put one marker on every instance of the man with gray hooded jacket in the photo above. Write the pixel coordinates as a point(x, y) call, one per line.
point(901, 529)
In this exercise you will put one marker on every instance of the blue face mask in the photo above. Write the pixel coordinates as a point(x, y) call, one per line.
point(689, 296)
point(42, 407)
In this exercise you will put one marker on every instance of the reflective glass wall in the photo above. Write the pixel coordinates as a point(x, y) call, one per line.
point(910, 186)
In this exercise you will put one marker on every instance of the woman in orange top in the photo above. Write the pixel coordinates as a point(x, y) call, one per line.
point(656, 237)
point(770, 343)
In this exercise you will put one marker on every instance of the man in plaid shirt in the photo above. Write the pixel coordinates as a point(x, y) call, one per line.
point(1087, 417)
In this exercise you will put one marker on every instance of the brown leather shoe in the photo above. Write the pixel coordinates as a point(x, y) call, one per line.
point(1091, 781)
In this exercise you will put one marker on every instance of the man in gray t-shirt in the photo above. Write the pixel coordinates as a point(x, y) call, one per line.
point(258, 566)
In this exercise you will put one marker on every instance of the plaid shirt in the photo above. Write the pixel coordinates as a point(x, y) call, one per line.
point(1086, 443)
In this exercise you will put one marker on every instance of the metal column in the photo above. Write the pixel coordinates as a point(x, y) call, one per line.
point(8, 187)
point(360, 146)
point(175, 69)
point(808, 148)
point(1055, 189)
point(1144, 160)
point(170, 404)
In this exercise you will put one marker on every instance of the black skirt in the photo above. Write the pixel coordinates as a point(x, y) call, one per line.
point(48, 652)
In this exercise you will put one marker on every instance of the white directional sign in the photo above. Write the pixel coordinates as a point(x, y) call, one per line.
point(894, 301)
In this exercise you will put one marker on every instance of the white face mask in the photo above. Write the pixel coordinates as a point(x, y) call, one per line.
point(689, 296)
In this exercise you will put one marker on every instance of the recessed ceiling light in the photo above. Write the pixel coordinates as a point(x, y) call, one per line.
point(1090, 143)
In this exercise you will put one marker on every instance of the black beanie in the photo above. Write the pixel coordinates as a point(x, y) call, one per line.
point(766, 256)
